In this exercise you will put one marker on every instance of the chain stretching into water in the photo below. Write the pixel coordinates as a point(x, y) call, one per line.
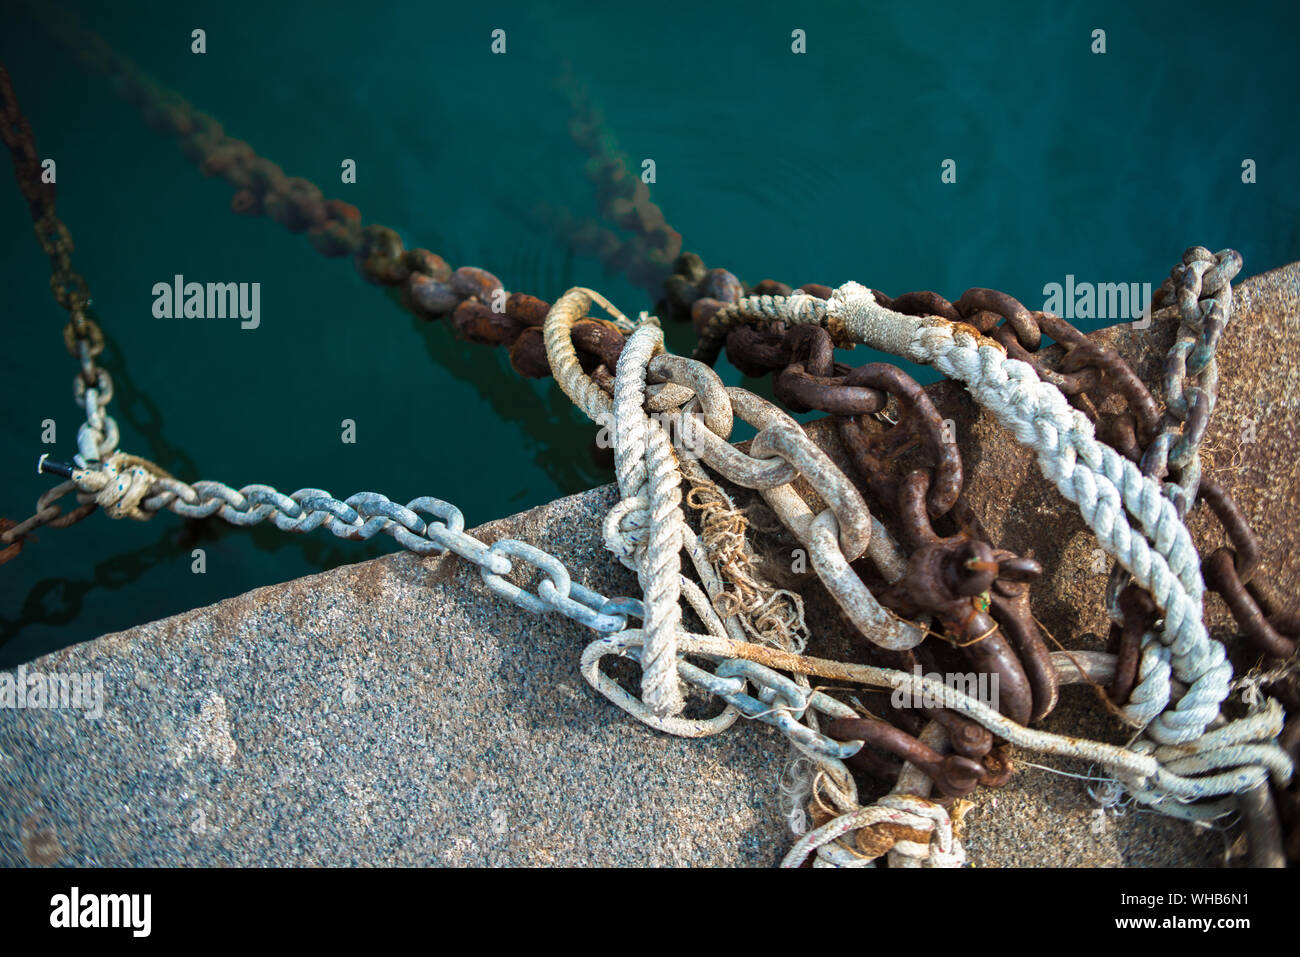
point(97, 438)
point(647, 528)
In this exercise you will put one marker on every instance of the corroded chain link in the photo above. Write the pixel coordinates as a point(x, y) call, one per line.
point(1202, 288)
point(648, 245)
point(781, 453)
point(979, 595)
point(476, 302)
point(93, 386)
point(67, 285)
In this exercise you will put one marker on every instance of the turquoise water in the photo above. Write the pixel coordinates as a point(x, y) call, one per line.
point(820, 167)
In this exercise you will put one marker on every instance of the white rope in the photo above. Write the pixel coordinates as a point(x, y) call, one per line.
point(647, 472)
point(1161, 557)
point(905, 810)
point(1089, 473)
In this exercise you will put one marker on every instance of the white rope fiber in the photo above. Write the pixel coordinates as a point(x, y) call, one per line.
point(1108, 489)
point(1177, 764)
point(648, 476)
point(1161, 556)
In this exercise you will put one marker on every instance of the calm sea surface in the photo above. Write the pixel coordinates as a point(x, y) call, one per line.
point(818, 167)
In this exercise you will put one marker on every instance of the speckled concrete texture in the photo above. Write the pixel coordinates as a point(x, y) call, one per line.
point(394, 712)
point(391, 712)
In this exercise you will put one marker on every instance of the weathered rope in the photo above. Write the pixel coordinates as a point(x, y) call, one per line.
point(1089, 473)
point(645, 528)
point(648, 475)
point(1157, 774)
point(906, 812)
point(1096, 478)
point(773, 616)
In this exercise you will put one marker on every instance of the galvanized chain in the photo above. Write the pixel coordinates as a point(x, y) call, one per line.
point(129, 487)
point(1203, 289)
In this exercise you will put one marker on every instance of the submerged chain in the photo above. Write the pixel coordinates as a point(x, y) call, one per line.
point(97, 438)
point(481, 311)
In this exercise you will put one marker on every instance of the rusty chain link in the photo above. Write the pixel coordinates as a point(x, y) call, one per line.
point(475, 301)
point(81, 335)
point(979, 594)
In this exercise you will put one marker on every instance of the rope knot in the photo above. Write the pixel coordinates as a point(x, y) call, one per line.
point(120, 485)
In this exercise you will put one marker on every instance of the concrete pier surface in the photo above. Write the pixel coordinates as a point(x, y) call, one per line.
point(395, 712)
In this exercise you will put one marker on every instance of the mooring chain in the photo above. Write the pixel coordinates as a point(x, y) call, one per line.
point(1152, 782)
point(473, 297)
point(1092, 475)
point(1202, 287)
point(1142, 682)
point(779, 453)
point(648, 252)
point(129, 487)
point(97, 437)
point(481, 311)
point(805, 377)
point(1222, 762)
point(1090, 366)
point(807, 310)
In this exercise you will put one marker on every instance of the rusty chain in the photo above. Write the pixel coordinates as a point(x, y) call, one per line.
point(81, 335)
point(648, 245)
point(475, 301)
point(978, 593)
